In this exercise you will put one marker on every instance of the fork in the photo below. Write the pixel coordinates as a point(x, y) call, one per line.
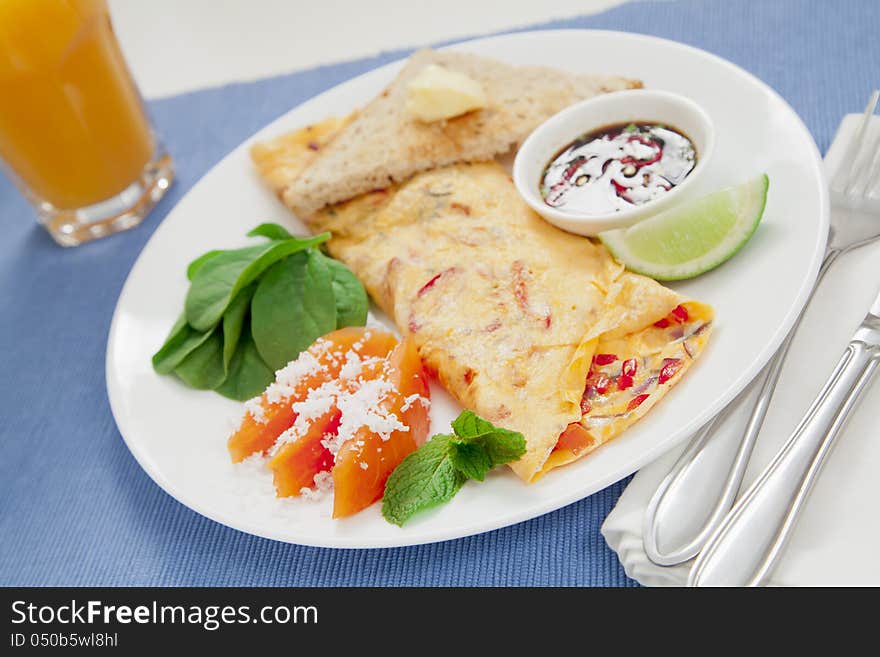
point(855, 222)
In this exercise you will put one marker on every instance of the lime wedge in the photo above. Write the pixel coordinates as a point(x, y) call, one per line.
point(693, 237)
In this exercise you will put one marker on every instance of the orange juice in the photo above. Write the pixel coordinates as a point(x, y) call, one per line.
point(72, 124)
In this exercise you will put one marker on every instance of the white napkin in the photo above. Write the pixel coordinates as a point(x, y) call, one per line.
point(837, 538)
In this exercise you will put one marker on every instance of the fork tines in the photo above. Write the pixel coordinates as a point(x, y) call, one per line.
point(858, 175)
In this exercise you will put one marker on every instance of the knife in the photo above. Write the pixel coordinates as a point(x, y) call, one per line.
point(748, 543)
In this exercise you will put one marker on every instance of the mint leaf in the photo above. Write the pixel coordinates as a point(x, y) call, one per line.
point(470, 458)
point(424, 479)
point(435, 472)
point(504, 446)
point(471, 425)
point(499, 446)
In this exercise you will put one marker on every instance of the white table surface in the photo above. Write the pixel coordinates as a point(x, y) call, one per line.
point(174, 46)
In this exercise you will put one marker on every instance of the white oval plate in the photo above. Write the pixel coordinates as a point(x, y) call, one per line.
point(179, 435)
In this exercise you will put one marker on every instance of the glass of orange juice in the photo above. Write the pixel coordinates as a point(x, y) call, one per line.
point(74, 135)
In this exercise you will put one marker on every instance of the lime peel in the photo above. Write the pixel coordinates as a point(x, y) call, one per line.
point(693, 237)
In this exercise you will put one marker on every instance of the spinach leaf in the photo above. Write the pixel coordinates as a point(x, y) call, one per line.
point(220, 278)
point(203, 368)
point(248, 375)
point(233, 321)
point(292, 307)
point(196, 264)
point(349, 293)
point(272, 231)
point(182, 340)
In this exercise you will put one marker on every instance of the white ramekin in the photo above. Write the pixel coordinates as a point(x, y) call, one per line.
point(635, 106)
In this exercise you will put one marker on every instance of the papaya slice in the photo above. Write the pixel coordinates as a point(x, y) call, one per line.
point(321, 362)
point(365, 460)
point(295, 465)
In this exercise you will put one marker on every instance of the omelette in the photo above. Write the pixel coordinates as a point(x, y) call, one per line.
point(533, 328)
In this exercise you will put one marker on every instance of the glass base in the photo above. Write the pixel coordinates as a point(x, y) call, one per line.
point(121, 212)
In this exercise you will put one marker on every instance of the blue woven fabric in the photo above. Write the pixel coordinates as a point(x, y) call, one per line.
point(75, 508)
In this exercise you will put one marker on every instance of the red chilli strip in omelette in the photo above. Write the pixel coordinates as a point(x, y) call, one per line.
point(629, 375)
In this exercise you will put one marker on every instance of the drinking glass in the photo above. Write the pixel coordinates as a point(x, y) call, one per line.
point(74, 135)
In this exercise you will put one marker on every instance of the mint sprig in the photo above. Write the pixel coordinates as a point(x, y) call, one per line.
point(483, 442)
point(425, 478)
point(435, 472)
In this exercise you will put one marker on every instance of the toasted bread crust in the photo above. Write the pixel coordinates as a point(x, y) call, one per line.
point(383, 145)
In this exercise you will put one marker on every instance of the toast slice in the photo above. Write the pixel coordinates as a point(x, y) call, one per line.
point(383, 144)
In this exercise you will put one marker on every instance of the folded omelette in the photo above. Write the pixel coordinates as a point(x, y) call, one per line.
point(533, 328)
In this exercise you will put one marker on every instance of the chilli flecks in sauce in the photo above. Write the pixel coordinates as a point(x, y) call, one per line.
point(617, 167)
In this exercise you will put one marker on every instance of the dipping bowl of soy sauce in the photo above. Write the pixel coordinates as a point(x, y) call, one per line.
point(615, 159)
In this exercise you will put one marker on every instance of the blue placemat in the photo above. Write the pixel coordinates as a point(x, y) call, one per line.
point(75, 508)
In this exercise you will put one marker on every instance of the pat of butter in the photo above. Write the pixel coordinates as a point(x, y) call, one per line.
point(437, 93)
